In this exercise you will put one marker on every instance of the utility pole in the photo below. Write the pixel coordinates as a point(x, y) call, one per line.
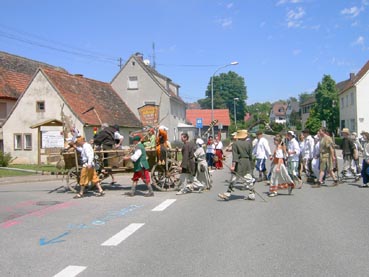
point(120, 60)
point(153, 56)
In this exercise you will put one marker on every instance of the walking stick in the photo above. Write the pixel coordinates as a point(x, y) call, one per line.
point(253, 190)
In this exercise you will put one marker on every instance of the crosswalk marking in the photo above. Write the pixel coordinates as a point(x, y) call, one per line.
point(164, 205)
point(122, 235)
point(70, 271)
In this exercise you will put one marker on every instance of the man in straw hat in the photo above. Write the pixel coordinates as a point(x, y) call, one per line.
point(88, 172)
point(348, 148)
point(241, 164)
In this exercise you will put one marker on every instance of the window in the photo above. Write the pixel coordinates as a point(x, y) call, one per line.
point(40, 106)
point(342, 102)
point(352, 98)
point(346, 101)
point(27, 140)
point(2, 110)
point(17, 141)
point(132, 82)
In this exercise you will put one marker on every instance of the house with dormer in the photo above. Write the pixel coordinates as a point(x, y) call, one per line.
point(52, 103)
point(140, 85)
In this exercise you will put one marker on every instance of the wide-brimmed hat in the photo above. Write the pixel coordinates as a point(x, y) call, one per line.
point(345, 130)
point(80, 139)
point(199, 141)
point(291, 133)
point(241, 134)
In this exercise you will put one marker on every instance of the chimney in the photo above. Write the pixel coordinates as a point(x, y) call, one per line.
point(352, 76)
point(139, 55)
point(78, 75)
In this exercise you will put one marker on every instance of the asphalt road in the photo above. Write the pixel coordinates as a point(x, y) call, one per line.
point(313, 232)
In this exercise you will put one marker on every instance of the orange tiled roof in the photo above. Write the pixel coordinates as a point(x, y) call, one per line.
point(82, 94)
point(221, 114)
point(16, 73)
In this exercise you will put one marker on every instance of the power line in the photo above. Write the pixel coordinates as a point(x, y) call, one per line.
point(40, 42)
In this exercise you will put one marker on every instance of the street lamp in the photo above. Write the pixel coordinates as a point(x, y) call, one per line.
point(235, 111)
point(212, 91)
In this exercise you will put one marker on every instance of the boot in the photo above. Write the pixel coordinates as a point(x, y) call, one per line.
point(260, 179)
point(132, 192)
point(317, 185)
point(150, 192)
point(265, 176)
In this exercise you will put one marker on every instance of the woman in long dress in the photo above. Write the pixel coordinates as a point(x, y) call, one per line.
point(280, 178)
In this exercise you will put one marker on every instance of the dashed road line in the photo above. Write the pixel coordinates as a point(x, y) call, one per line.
point(70, 271)
point(122, 235)
point(164, 205)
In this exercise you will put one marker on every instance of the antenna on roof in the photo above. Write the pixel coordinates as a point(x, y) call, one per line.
point(153, 55)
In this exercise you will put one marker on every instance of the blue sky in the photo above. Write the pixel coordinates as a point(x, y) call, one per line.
point(284, 47)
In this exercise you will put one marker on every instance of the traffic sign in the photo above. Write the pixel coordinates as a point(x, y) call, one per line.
point(199, 122)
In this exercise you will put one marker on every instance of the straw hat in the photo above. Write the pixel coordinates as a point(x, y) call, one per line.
point(345, 130)
point(241, 134)
point(80, 140)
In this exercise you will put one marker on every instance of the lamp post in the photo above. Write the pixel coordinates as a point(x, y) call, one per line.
point(212, 91)
point(235, 111)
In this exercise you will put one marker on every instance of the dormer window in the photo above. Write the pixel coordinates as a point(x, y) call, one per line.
point(40, 106)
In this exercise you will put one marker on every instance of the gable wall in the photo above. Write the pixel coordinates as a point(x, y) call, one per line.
point(362, 101)
point(149, 91)
point(25, 115)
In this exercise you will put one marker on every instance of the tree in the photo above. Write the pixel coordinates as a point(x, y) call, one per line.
point(326, 106)
point(227, 87)
point(305, 96)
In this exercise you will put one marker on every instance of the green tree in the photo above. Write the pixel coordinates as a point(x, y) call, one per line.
point(305, 96)
point(326, 106)
point(227, 87)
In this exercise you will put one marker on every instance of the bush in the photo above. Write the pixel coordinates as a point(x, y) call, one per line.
point(5, 159)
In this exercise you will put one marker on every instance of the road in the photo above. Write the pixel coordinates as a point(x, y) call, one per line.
point(313, 232)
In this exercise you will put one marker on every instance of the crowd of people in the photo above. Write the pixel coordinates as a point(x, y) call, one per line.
point(312, 155)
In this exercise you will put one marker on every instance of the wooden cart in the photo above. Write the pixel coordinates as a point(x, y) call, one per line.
point(165, 177)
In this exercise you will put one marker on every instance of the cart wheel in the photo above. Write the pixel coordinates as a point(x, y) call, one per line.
point(164, 180)
point(73, 179)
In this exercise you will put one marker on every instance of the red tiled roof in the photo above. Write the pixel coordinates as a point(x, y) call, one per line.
point(82, 94)
point(221, 114)
point(277, 106)
point(16, 73)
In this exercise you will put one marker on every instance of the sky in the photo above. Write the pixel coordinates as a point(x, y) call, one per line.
point(283, 47)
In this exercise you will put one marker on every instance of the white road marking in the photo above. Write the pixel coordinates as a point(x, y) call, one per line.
point(122, 235)
point(70, 271)
point(164, 205)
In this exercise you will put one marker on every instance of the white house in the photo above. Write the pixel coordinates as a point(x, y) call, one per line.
point(35, 125)
point(354, 100)
point(139, 84)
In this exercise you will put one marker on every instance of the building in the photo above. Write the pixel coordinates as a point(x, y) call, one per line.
point(15, 75)
point(204, 116)
point(54, 102)
point(278, 113)
point(140, 85)
point(353, 97)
